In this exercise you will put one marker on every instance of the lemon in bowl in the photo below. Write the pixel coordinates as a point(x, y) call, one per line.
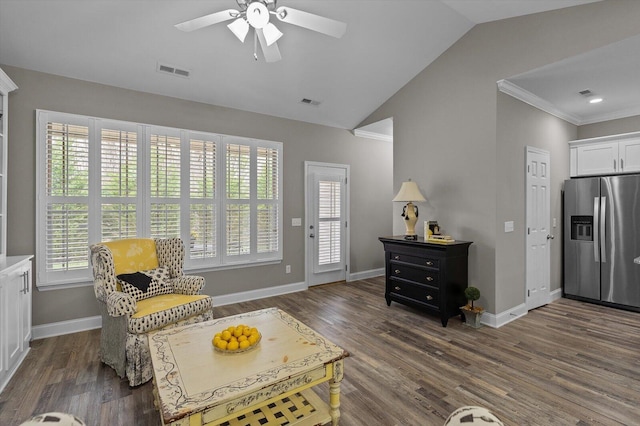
point(236, 339)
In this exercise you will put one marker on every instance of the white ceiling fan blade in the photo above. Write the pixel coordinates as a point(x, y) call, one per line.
point(205, 21)
point(271, 53)
point(312, 22)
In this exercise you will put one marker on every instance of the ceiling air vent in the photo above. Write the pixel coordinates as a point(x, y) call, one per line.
point(168, 69)
point(586, 92)
point(309, 102)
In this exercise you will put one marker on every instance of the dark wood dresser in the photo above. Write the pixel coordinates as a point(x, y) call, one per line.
point(426, 275)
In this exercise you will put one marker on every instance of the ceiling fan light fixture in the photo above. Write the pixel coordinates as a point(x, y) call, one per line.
point(257, 15)
point(271, 34)
point(240, 28)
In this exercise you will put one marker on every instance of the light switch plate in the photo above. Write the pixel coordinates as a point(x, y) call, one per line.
point(508, 226)
point(296, 221)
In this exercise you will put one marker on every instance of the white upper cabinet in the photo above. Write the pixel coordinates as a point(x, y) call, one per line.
point(629, 153)
point(606, 155)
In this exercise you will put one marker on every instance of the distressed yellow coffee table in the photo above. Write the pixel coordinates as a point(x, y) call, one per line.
point(269, 384)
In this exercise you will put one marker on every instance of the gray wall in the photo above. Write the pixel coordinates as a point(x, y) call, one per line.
point(370, 161)
point(446, 120)
point(611, 127)
point(521, 125)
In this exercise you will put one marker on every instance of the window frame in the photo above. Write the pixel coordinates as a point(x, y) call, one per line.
point(56, 279)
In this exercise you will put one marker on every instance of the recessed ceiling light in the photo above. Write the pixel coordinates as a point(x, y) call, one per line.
point(595, 100)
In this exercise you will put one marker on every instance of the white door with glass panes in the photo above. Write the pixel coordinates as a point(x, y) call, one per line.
point(326, 222)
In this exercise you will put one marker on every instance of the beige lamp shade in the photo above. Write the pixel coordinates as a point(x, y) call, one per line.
point(409, 191)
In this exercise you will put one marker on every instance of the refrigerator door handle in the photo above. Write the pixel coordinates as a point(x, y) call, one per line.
point(603, 215)
point(596, 233)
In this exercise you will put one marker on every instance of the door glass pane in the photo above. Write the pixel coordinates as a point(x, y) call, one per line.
point(329, 235)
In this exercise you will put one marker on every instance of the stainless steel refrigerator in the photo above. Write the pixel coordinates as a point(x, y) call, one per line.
point(602, 239)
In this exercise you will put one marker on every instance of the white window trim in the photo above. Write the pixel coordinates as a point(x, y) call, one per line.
point(57, 280)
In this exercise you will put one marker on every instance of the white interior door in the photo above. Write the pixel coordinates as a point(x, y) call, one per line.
point(538, 211)
point(326, 222)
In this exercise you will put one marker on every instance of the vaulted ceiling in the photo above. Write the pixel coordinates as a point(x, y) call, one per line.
point(123, 42)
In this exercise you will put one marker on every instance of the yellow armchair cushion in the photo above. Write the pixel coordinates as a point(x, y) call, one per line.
point(164, 302)
point(133, 255)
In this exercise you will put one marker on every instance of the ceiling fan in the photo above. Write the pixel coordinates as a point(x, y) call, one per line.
point(256, 14)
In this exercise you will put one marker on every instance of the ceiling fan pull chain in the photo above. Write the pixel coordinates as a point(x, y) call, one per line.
point(255, 45)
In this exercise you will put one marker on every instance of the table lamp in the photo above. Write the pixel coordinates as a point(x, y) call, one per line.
point(409, 192)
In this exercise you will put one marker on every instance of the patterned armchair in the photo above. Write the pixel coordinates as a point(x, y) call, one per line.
point(141, 287)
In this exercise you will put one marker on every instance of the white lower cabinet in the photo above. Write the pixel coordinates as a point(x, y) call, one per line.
point(15, 314)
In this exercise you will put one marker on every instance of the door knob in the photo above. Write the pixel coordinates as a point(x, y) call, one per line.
point(550, 237)
point(311, 235)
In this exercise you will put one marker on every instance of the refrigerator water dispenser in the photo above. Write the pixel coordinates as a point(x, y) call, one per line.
point(582, 228)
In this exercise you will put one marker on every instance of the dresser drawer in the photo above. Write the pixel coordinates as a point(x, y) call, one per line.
point(419, 293)
point(429, 262)
point(417, 274)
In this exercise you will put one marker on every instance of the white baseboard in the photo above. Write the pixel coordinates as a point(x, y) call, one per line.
point(65, 327)
point(498, 320)
point(245, 296)
point(363, 275)
point(90, 323)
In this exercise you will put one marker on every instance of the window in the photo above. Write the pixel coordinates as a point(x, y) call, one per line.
point(329, 222)
point(100, 180)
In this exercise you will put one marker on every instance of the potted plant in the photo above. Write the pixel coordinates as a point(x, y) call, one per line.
point(472, 314)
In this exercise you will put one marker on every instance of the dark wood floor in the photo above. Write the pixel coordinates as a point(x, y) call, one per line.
point(567, 363)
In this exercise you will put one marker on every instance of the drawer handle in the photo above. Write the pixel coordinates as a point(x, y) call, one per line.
point(396, 257)
point(429, 297)
point(429, 278)
point(397, 271)
point(429, 263)
point(397, 288)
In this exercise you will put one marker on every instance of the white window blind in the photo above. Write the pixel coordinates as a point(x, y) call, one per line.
point(203, 204)
point(238, 213)
point(329, 223)
point(97, 181)
point(118, 183)
point(165, 185)
point(267, 209)
point(67, 197)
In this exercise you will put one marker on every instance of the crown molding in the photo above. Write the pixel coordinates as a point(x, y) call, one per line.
point(525, 96)
point(519, 93)
point(6, 84)
point(372, 135)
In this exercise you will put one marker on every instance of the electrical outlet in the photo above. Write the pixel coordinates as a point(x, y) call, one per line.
point(287, 269)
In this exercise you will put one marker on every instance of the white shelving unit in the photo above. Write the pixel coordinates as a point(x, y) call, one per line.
point(6, 86)
point(15, 271)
